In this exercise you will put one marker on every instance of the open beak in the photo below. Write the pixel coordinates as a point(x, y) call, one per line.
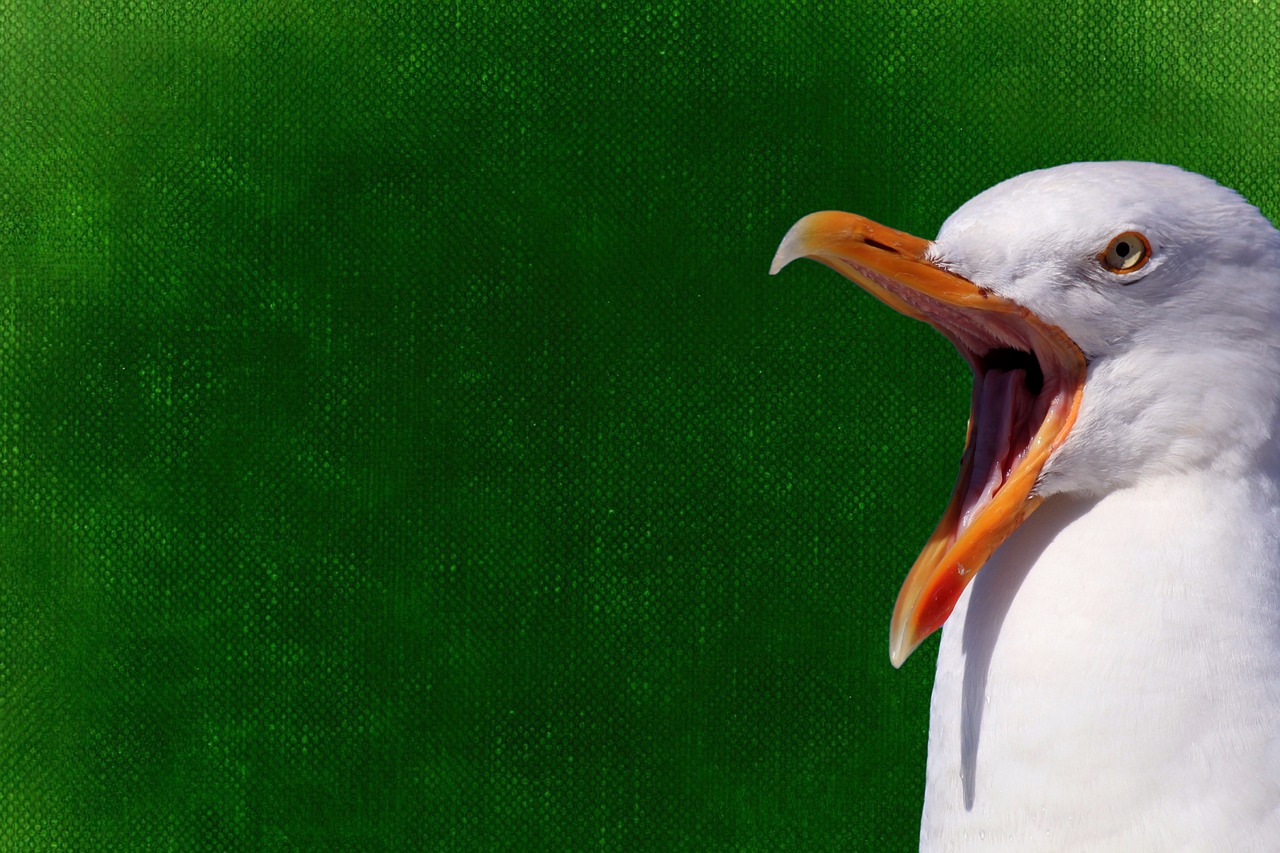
point(1028, 377)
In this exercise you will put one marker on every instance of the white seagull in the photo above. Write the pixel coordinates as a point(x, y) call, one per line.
point(1108, 569)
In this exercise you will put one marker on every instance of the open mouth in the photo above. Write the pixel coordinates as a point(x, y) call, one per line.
point(1013, 393)
point(1028, 382)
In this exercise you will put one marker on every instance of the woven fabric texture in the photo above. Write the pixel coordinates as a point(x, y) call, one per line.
point(403, 446)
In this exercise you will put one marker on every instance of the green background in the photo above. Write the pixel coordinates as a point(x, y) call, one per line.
point(402, 445)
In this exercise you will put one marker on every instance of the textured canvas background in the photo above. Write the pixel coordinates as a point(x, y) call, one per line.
point(402, 445)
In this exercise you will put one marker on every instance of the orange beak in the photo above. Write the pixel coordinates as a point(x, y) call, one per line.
point(1028, 381)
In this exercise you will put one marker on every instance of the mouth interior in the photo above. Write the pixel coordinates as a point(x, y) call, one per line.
point(1009, 406)
point(1014, 389)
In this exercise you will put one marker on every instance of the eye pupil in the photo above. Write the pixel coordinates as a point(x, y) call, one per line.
point(1128, 251)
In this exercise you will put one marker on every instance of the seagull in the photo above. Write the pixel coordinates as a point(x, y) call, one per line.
point(1106, 574)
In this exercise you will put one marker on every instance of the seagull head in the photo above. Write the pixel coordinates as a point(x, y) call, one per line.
point(1120, 320)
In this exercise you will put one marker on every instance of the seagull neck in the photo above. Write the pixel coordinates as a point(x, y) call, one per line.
point(1202, 538)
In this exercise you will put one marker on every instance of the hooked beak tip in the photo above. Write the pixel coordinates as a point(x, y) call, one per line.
point(786, 254)
point(794, 245)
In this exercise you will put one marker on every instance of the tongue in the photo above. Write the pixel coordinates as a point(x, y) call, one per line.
point(1001, 406)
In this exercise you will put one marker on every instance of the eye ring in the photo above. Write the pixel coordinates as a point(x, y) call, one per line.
point(1128, 252)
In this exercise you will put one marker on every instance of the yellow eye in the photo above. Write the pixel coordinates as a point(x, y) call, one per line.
point(1127, 252)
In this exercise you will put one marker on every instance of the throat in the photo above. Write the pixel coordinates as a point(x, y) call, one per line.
point(1009, 360)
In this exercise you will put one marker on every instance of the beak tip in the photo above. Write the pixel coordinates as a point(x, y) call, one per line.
point(903, 641)
point(787, 252)
point(793, 246)
point(897, 655)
